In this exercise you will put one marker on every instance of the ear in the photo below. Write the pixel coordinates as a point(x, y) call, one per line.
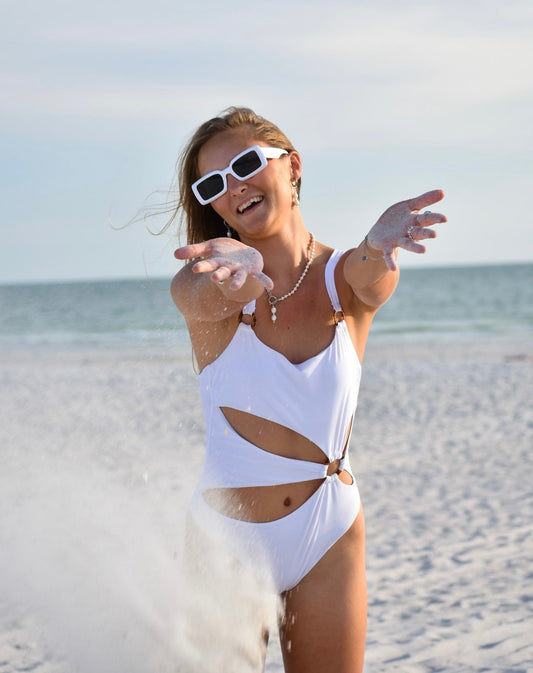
point(296, 165)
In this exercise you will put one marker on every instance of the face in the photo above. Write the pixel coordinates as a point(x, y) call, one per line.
point(250, 206)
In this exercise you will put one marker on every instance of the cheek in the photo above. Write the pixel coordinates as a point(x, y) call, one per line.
point(220, 206)
point(281, 179)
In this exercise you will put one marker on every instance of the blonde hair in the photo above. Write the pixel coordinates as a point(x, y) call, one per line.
point(202, 222)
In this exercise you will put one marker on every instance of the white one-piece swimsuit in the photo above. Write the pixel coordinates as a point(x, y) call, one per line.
point(317, 399)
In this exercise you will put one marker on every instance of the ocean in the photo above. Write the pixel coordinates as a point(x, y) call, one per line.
point(436, 303)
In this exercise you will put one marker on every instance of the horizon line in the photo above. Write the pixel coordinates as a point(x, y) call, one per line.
point(148, 279)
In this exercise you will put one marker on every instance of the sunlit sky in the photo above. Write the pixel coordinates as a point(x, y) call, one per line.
point(383, 99)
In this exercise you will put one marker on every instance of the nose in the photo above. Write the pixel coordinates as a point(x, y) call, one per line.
point(235, 186)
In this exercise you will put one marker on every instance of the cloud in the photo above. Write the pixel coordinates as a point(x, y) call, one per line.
point(382, 73)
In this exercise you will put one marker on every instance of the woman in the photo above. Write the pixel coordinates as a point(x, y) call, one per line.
point(279, 323)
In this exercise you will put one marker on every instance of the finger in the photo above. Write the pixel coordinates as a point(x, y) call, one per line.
point(266, 280)
point(429, 218)
point(221, 274)
point(420, 233)
point(238, 280)
point(413, 246)
point(205, 266)
point(425, 200)
point(190, 251)
point(240, 276)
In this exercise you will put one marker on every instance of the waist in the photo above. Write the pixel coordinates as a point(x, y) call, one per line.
point(260, 504)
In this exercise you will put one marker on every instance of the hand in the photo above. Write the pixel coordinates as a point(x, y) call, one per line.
point(402, 226)
point(226, 258)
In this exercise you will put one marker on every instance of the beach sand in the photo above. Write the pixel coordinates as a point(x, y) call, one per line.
point(100, 452)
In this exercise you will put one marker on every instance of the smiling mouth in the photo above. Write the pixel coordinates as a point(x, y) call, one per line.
point(249, 204)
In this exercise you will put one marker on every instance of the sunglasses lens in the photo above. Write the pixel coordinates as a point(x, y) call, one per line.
point(210, 187)
point(247, 164)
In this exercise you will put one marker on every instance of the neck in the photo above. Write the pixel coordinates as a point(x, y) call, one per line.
point(284, 254)
point(273, 300)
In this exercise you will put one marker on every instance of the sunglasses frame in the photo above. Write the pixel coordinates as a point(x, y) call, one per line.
point(263, 153)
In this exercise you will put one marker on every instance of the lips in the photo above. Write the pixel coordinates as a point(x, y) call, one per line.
point(250, 203)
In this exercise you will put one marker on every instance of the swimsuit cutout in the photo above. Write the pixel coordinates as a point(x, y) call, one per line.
point(317, 399)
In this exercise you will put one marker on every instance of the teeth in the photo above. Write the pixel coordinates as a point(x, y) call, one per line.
point(254, 199)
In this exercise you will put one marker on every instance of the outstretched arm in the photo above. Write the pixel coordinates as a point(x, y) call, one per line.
point(371, 268)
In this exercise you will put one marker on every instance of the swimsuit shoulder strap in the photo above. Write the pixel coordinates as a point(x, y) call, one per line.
point(330, 279)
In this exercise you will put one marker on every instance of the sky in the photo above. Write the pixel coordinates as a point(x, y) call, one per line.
point(384, 99)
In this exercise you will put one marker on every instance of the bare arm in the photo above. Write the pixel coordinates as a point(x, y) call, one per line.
point(371, 269)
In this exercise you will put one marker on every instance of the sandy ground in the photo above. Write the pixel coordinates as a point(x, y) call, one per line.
point(100, 453)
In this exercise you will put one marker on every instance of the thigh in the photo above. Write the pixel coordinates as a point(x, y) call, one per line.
point(324, 623)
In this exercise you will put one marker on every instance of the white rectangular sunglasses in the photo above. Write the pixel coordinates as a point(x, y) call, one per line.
point(243, 166)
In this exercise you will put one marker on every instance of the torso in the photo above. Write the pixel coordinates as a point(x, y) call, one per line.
point(304, 327)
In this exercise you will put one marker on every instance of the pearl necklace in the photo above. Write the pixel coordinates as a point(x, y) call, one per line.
point(272, 300)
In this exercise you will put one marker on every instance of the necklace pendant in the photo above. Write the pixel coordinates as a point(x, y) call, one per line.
point(273, 315)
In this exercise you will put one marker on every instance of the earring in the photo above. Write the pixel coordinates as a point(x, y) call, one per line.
point(295, 199)
point(228, 229)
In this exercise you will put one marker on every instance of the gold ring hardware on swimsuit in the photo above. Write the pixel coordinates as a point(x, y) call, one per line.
point(247, 318)
point(334, 467)
point(338, 316)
